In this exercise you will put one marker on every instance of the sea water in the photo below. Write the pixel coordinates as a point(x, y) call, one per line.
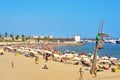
point(112, 50)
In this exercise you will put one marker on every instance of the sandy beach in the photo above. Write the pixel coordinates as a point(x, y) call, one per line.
point(25, 69)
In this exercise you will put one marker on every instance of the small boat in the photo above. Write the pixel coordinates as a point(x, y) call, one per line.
point(118, 42)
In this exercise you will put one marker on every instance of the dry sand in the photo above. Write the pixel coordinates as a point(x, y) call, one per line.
point(26, 69)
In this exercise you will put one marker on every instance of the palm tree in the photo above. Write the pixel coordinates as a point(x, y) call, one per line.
point(6, 34)
point(27, 37)
point(46, 38)
point(11, 35)
point(38, 39)
point(17, 36)
point(23, 37)
point(1, 38)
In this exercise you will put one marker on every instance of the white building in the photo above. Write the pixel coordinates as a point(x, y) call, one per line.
point(77, 38)
point(35, 36)
point(51, 36)
point(41, 36)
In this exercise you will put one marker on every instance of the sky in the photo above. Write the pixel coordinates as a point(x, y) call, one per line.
point(60, 18)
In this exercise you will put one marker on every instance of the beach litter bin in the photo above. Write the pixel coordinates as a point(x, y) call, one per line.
point(16, 54)
point(114, 70)
point(37, 60)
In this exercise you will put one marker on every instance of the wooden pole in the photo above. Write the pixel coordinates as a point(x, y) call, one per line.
point(96, 48)
point(94, 58)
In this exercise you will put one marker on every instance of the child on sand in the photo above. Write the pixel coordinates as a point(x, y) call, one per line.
point(45, 66)
point(81, 74)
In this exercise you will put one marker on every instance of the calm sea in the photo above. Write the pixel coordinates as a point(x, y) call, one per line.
point(112, 50)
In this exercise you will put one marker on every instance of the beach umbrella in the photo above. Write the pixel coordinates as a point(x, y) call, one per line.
point(1, 50)
point(76, 59)
point(93, 56)
point(38, 50)
point(33, 52)
point(69, 56)
point(67, 51)
point(9, 47)
point(104, 61)
point(62, 56)
point(56, 56)
point(75, 55)
point(103, 35)
point(46, 51)
point(83, 56)
point(104, 58)
point(86, 60)
point(113, 58)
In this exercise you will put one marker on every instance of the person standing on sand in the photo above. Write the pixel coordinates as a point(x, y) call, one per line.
point(81, 73)
point(46, 57)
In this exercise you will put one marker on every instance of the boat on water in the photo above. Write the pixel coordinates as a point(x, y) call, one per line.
point(110, 41)
point(118, 42)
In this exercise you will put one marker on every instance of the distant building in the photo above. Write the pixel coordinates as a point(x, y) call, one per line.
point(7, 38)
point(41, 36)
point(35, 36)
point(77, 38)
point(50, 36)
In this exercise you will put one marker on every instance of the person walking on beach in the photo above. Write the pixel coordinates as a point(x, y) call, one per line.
point(81, 73)
point(46, 57)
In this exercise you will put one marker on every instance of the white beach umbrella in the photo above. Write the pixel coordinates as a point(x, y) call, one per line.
point(75, 55)
point(113, 58)
point(86, 60)
point(9, 47)
point(33, 52)
point(1, 50)
point(69, 56)
point(46, 51)
point(84, 56)
point(104, 58)
point(105, 61)
point(93, 56)
point(56, 55)
point(38, 50)
point(76, 59)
